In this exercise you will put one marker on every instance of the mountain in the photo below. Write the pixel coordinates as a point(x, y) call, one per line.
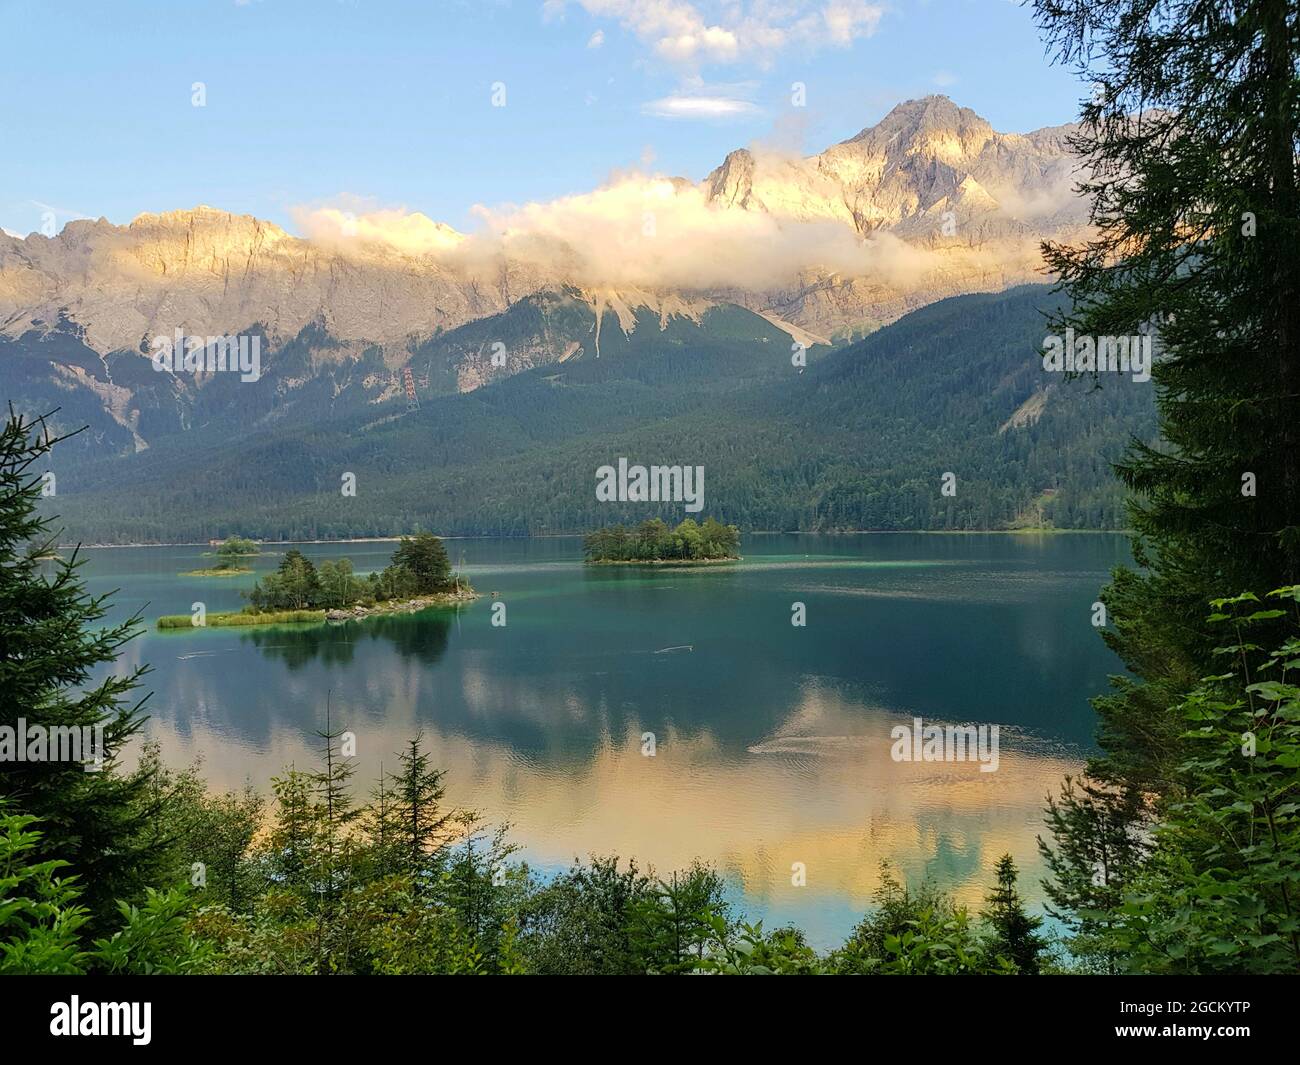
point(963, 207)
point(860, 439)
point(928, 203)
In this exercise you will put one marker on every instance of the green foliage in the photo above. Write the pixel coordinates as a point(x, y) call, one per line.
point(234, 552)
point(916, 931)
point(580, 921)
point(654, 541)
point(419, 567)
point(749, 951)
point(238, 547)
point(415, 826)
point(937, 943)
point(294, 586)
point(1220, 891)
point(673, 923)
point(241, 620)
point(858, 441)
point(424, 557)
point(412, 888)
point(1015, 932)
point(40, 919)
point(1212, 272)
point(1097, 845)
point(53, 649)
point(42, 922)
point(206, 835)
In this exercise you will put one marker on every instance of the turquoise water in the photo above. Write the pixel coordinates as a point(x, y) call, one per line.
point(772, 742)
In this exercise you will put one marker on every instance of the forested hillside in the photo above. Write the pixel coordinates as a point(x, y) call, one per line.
point(860, 439)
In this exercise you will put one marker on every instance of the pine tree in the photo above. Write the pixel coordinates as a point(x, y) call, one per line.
point(299, 580)
point(51, 644)
point(294, 840)
point(1189, 149)
point(1190, 143)
point(379, 823)
point(420, 824)
point(1097, 847)
point(332, 792)
point(426, 559)
point(1015, 933)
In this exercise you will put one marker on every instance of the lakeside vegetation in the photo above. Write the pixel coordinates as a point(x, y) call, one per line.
point(242, 618)
point(301, 592)
point(419, 568)
point(654, 541)
point(231, 556)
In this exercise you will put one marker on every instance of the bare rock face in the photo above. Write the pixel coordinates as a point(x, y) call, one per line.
point(924, 157)
point(928, 203)
point(945, 204)
point(210, 273)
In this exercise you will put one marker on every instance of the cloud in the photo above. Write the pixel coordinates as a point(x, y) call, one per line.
point(648, 231)
point(944, 78)
point(654, 233)
point(698, 107)
point(1057, 194)
point(349, 225)
point(596, 39)
point(637, 230)
point(698, 32)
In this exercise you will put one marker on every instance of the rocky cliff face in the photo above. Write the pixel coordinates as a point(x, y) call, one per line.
point(930, 202)
point(212, 272)
point(945, 204)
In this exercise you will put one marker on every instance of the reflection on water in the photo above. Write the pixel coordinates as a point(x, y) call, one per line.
point(772, 742)
point(335, 643)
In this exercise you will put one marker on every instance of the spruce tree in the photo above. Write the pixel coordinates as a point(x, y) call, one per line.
point(1097, 848)
point(1189, 143)
point(336, 811)
point(420, 824)
point(1015, 932)
point(52, 645)
point(295, 837)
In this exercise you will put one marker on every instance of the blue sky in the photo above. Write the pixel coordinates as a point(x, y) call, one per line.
point(389, 104)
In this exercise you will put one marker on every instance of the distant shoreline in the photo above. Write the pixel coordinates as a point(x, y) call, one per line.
point(578, 535)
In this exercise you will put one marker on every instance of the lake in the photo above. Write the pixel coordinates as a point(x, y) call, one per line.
point(771, 741)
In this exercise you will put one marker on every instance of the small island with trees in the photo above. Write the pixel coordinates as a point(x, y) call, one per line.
point(231, 556)
point(418, 576)
point(654, 541)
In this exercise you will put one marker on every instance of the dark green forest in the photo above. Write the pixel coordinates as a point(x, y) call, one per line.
point(860, 440)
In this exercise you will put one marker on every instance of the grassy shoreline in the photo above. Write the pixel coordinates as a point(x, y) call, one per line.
point(240, 619)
